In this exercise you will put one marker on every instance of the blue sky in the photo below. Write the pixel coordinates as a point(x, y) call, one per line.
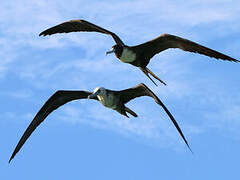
point(84, 140)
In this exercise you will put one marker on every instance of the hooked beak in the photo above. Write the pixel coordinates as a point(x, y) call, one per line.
point(109, 52)
point(92, 96)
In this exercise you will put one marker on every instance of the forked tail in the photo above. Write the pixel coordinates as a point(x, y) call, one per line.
point(130, 112)
point(145, 70)
point(126, 110)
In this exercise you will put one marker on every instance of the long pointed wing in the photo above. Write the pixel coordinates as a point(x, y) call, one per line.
point(167, 41)
point(143, 90)
point(79, 26)
point(55, 101)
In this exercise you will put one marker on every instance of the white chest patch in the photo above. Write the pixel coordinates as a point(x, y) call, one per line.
point(127, 56)
point(108, 101)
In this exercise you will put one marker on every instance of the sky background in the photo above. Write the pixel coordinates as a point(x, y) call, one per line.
point(83, 139)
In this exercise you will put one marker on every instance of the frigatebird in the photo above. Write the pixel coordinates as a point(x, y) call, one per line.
point(139, 55)
point(115, 100)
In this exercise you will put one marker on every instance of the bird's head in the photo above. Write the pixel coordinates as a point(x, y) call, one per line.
point(99, 91)
point(117, 49)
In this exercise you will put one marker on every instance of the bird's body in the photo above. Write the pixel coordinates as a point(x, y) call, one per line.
point(127, 55)
point(108, 98)
point(115, 100)
point(139, 55)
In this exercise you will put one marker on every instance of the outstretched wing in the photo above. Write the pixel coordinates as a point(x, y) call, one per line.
point(142, 90)
point(167, 41)
point(55, 101)
point(78, 26)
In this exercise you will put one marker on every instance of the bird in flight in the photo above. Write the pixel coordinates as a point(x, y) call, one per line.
point(115, 100)
point(139, 55)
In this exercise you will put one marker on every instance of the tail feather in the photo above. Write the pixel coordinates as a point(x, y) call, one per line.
point(146, 71)
point(131, 112)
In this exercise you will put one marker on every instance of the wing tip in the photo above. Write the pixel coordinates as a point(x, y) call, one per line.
point(12, 156)
point(9, 161)
point(191, 150)
point(44, 33)
point(228, 58)
point(236, 61)
point(188, 146)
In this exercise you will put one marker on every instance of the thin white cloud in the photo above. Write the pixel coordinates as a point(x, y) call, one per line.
point(18, 94)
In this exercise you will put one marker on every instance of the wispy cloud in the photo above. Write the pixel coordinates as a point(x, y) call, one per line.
point(19, 94)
